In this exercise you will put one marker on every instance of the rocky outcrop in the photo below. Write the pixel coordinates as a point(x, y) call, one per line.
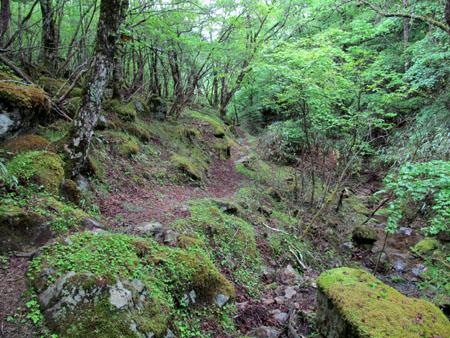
point(157, 107)
point(21, 108)
point(98, 284)
point(20, 229)
point(351, 303)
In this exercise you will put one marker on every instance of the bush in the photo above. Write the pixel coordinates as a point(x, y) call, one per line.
point(426, 188)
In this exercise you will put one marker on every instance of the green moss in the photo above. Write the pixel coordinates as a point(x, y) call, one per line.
point(129, 147)
point(356, 205)
point(376, 310)
point(167, 273)
point(53, 85)
point(222, 148)
point(364, 234)
point(38, 167)
point(187, 166)
point(54, 131)
point(138, 131)
point(229, 239)
point(255, 168)
point(70, 191)
point(26, 143)
point(24, 97)
point(73, 105)
point(426, 247)
point(126, 112)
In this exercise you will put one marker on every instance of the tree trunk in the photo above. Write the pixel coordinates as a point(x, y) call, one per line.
point(406, 33)
point(112, 14)
point(50, 41)
point(5, 21)
point(447, 12)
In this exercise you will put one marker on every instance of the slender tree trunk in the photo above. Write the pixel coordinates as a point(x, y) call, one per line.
point(406, 33)
point(49, 53)
point(112, 14)
point(447, 12)
point(5, 21)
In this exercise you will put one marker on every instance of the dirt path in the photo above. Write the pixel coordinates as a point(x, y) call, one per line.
point(164, 203)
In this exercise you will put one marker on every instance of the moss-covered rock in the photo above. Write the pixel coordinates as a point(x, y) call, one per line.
point(26, 143)
point(426, 247)
point(354, 304)
point(129, 147)
point(42, 168)
point(141, 106)
point(187, 166)
point(20, 229)
point(222, 148)
point(69, 190)
point(21, 108)
point(126, 112)
point(97, 284)
point(229, 239)
point(53, 85)
point(158, 107)
point(364, 235)
point(140, 132)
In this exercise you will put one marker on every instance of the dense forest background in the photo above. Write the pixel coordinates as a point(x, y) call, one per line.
point(321, 100)
point(342, 74)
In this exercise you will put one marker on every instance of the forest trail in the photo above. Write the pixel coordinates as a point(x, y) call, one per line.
point(135, 204)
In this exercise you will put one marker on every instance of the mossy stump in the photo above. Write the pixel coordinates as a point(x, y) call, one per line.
point(351, 303)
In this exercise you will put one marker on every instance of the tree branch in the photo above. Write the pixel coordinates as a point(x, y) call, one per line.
point(425, 19)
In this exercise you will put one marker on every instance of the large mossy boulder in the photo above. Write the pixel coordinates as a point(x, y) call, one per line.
point(20, 229)
point(21, 108)
point(352, 303)
point(25, 143)
point(42, 168)
point(97, 284)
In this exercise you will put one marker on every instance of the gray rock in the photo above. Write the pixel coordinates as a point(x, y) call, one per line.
point(158, 107)
point(169, 334)
point(289, 292)
point(82, 183)
point(280, 317)
point(221, 299)
point(119, 296)
point(102, 123)
point(265, 332)
point(54, 290)
point(404, 231)
point(91, 223)
point(145, 228)
point(137, 285)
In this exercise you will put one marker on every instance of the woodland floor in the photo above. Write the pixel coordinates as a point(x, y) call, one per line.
point(284, 291)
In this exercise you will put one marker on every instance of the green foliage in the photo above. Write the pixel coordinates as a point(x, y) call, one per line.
point(425, 188)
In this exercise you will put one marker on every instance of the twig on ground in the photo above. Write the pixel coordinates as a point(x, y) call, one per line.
point(276, 230)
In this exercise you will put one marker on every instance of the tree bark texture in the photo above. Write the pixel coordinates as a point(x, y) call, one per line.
point(112, 15)
point(5, 18)
point(447, 12)
point(50, 40)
